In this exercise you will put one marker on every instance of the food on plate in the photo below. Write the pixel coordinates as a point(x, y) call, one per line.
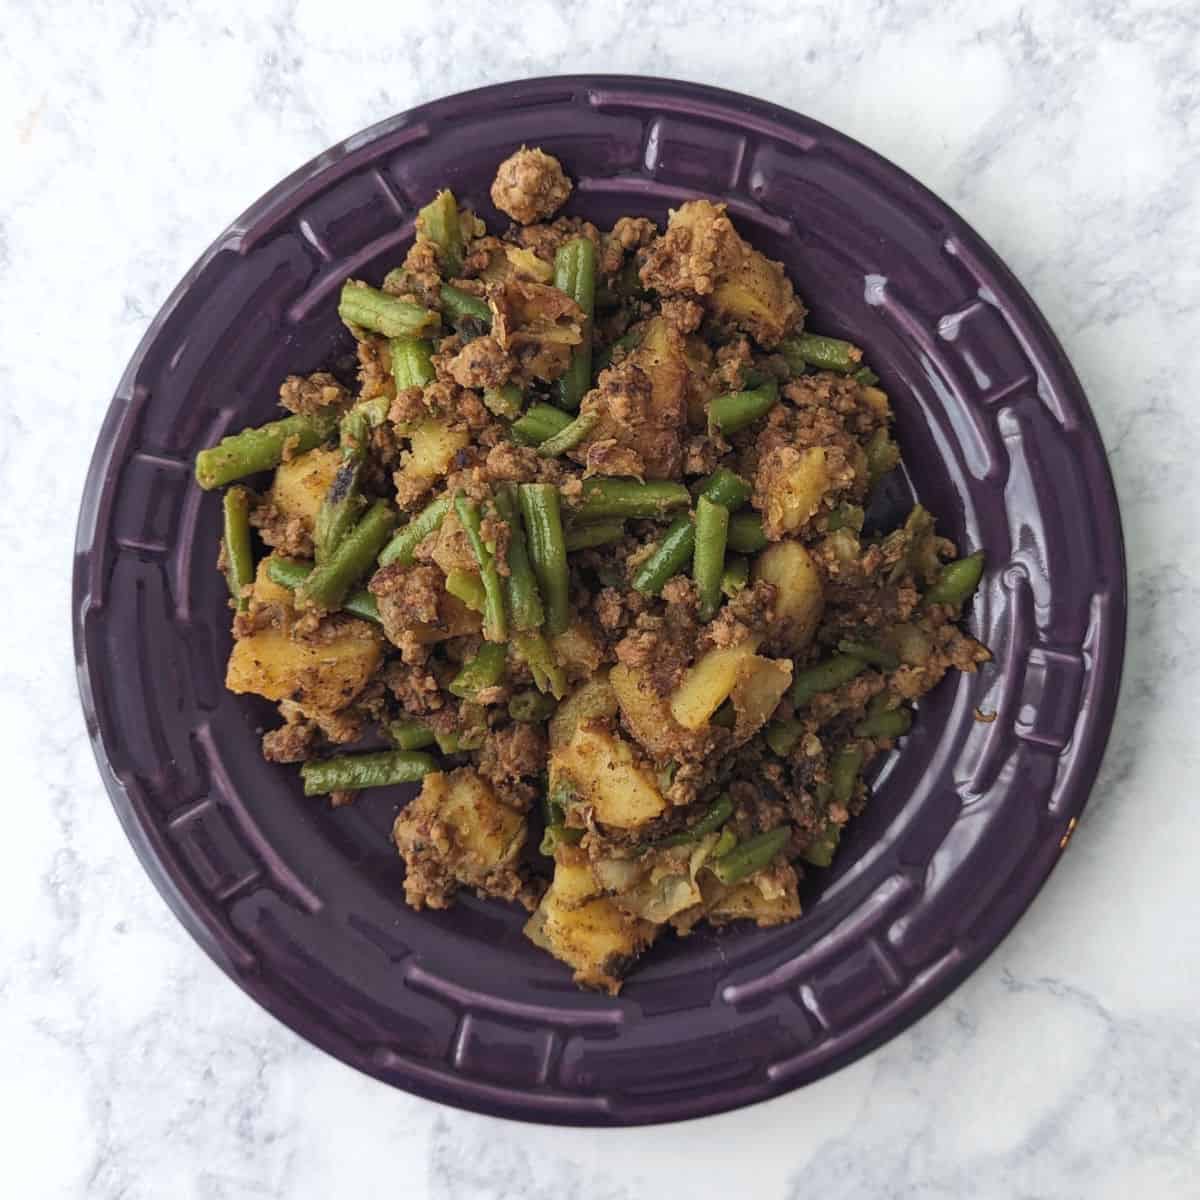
point(582, 547)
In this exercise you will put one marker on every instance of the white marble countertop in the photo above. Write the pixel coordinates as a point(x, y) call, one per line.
point(1068, 1066)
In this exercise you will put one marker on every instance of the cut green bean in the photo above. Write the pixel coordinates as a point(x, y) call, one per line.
point(845, 516)
point(575, 274)
point(330, 582)
point(782, 736)
point(866, 377)
point(843, 773)
point(538, 655)
point(628, 498)
point(750, 856)
point(459, 305)
point(524, 602)
point(957, 581)
point(670, 557)
point(438, 222)
point(746, 533)
point(597, 533)
point(870, 653)
point(403, 546)
point(556, 835)
point(725, 487)
point(531, 707)
point(484, 671)
point(708, 559)
point(547, 551)
point(825, 353)
point(890, 723)
point(472, 730)
point(262, 448)
point(736, 410)
point(882, 455)
point(412, 363)
point(289, 573)
point(505, 401)
point(820, 852)
point(410, 735)
point(717, 814)
point(823, 677)
point(239, 557)
point(369, 308)
point(540, 422)
point(495, 621)
point(354, 772)
point(467, 587)
point(374, 410)
point(344, 502)
point(735, 576)
point(570, 435)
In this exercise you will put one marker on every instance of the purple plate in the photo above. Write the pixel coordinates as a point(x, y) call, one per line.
point(303, 906)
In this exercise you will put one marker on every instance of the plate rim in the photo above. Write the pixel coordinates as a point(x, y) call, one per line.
point(96, 499)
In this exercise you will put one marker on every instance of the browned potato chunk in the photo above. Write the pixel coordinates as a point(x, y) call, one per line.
point(300, 484)
point(789, 487)
point(322, 672)
point(600, 769)
point(647, 715)
point(702, 254)
point(799, 594)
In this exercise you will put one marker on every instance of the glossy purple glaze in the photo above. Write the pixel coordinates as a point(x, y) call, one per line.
point(303, 906)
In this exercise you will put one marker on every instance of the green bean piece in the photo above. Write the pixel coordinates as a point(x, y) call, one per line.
point(261, 449)
point(438, 222)
point(820, 853)
point(870, 653)
point(782, 736)
point(556, 802)
point(750, 856)
point(736, 410)
point(547, 551)
point(678, 543)
point(575, 274)
point(557, 834)
point(708, 560)
point(239, 557)
point(570, 435)
point(495, 621)
point(541, 421)
point(289, 573)
point(843, 773)
point(412, 363)
point(630, 340)
point(344, 502)
point(746, 533)
point(665, 776)
point(330, 582)
point(846, 516)
point(484, 671)
point(725, 487)
point(471, 733)
point(598, 533)
point(524, 602)
point(717, 814)
point(824, 676)
point(671, 556)
point(538, 655)
point(354, 772)
point(891, 723)
point(628, 498)
point(825, 353)
point(369, 308)
point(724, 843)
point(406, 734)
point(467, 587)
point(459, 305)
point(531, 707)
point(866, 377)
point(957, 581)
point(882, 455)
point(403, 546)
point(506, 401)
point(735, 576)
point(374, 410)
